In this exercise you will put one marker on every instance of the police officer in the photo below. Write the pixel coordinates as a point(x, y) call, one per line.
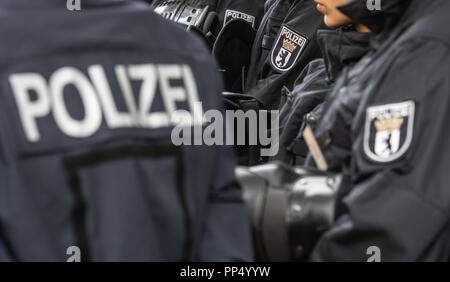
point(210, 16)
point(393, 104)
point(384, 130)
point(341, 49)
point(261, 65)
point(285, 43)
point(87, 162)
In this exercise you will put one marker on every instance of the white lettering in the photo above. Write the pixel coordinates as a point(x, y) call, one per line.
point(29, 110)
point(176, 83)
point(92, 111)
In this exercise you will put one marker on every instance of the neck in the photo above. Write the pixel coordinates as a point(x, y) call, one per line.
point(362, 28)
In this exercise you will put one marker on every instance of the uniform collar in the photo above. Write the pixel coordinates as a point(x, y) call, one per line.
point(341, 47)
point(396, 16)
point(377, 20)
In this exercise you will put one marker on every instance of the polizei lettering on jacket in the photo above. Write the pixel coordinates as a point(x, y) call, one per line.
point(287, 49)
point(231, 15)
point(176, 85)
point(293, 37)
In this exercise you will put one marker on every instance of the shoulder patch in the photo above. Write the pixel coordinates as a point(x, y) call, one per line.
point(287, 49)
point(388, 131)
point(231, 15)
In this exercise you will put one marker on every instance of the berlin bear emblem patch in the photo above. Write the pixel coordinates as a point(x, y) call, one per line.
point(388, 131)
point(287, 49)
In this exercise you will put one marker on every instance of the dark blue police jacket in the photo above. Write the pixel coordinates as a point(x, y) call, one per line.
point(88, 101)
